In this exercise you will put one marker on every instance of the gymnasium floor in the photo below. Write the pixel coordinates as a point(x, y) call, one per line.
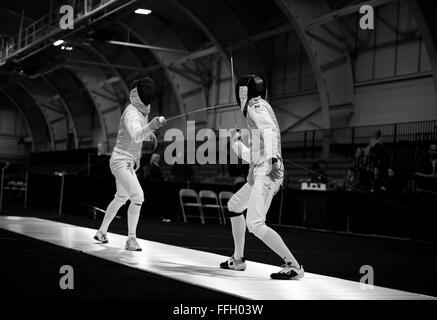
point(30, 268)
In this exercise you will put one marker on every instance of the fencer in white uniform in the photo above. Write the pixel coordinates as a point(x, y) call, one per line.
point(134, 128)
point(265, 177)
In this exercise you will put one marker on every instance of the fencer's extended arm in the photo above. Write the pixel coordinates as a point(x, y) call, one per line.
point(241, 150)
point(267, 128)
point(133, 124)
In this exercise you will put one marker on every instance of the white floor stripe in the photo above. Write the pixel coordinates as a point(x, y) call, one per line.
point(199, 268)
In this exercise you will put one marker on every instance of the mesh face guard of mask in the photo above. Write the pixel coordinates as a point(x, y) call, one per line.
point(248, 87)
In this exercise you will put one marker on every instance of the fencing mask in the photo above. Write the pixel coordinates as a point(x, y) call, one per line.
point(142, 93)
point(248, 87)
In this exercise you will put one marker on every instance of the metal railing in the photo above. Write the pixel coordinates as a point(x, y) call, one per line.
point(344, 141)
point(45, 27)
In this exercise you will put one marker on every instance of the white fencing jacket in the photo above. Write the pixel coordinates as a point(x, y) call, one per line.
point(132, 131)
point(265, 135)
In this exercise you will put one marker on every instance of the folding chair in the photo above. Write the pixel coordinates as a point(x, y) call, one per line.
point(184, 195)
point(208, 200)
point(224, 197)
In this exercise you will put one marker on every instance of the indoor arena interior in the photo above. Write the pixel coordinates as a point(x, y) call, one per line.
point(210, 150)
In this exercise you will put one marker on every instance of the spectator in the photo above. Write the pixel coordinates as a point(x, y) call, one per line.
point(374, 151)
point(155, 171)
point(346, 183)
point(428, 166)
point(375, 144)
point(182, 172)
point(375, 182)
point(426, 173)
point(317, 174)
point(350, 180)
point(392, 184)
point(4, 170)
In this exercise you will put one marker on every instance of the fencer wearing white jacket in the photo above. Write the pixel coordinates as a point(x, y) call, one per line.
point(265, 177)
point(265, 139)
point(134, 128)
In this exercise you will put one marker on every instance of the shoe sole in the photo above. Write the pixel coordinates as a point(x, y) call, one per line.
point(297, 277)
point(95, 238)
point(134, 250)
point(227, 268)
point(232, 269)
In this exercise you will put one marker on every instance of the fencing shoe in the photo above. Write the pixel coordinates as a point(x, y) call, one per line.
point(100, 236)
point(132, 245)
point(288, 272)
point(232, 264)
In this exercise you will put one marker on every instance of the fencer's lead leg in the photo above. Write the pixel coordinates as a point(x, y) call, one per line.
point(259, 202)
point(110, 213)
point(236, 205)
point(133, 215)
point(129, 182)
point(119, 200)
point(239, 234)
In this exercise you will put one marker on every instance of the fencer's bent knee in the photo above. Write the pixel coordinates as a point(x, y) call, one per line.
point(234, 207)
point(137, 198)
point(121, 200)
point(258, 228)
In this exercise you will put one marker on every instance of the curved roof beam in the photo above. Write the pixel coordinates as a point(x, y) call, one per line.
point(160, 62)
point(49, 111)
point(186, 82)
point(327, 52)
point(124, 90)
point(54, 109)
point(40, 131)
point(132, 64)
point(30, 129)
point(128, 64)
point(71, 121)
point(80, 105)
point(210, 20)
point(74, 114)
point(48, 115)
point(203, 27)
point(223, 75)
point(107, 93)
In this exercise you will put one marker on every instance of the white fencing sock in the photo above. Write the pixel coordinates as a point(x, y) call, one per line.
point(133, 215)
point(239, 234)
point(110, 213)
point(274, 241)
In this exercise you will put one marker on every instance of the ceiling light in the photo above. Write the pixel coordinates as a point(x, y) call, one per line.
point(143, 11)
point(58, 42)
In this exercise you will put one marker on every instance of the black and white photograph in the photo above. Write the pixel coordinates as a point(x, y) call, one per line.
point(218, 159)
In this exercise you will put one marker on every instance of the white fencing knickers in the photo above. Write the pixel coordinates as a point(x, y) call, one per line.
point(128, 188)
point(256, 199)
